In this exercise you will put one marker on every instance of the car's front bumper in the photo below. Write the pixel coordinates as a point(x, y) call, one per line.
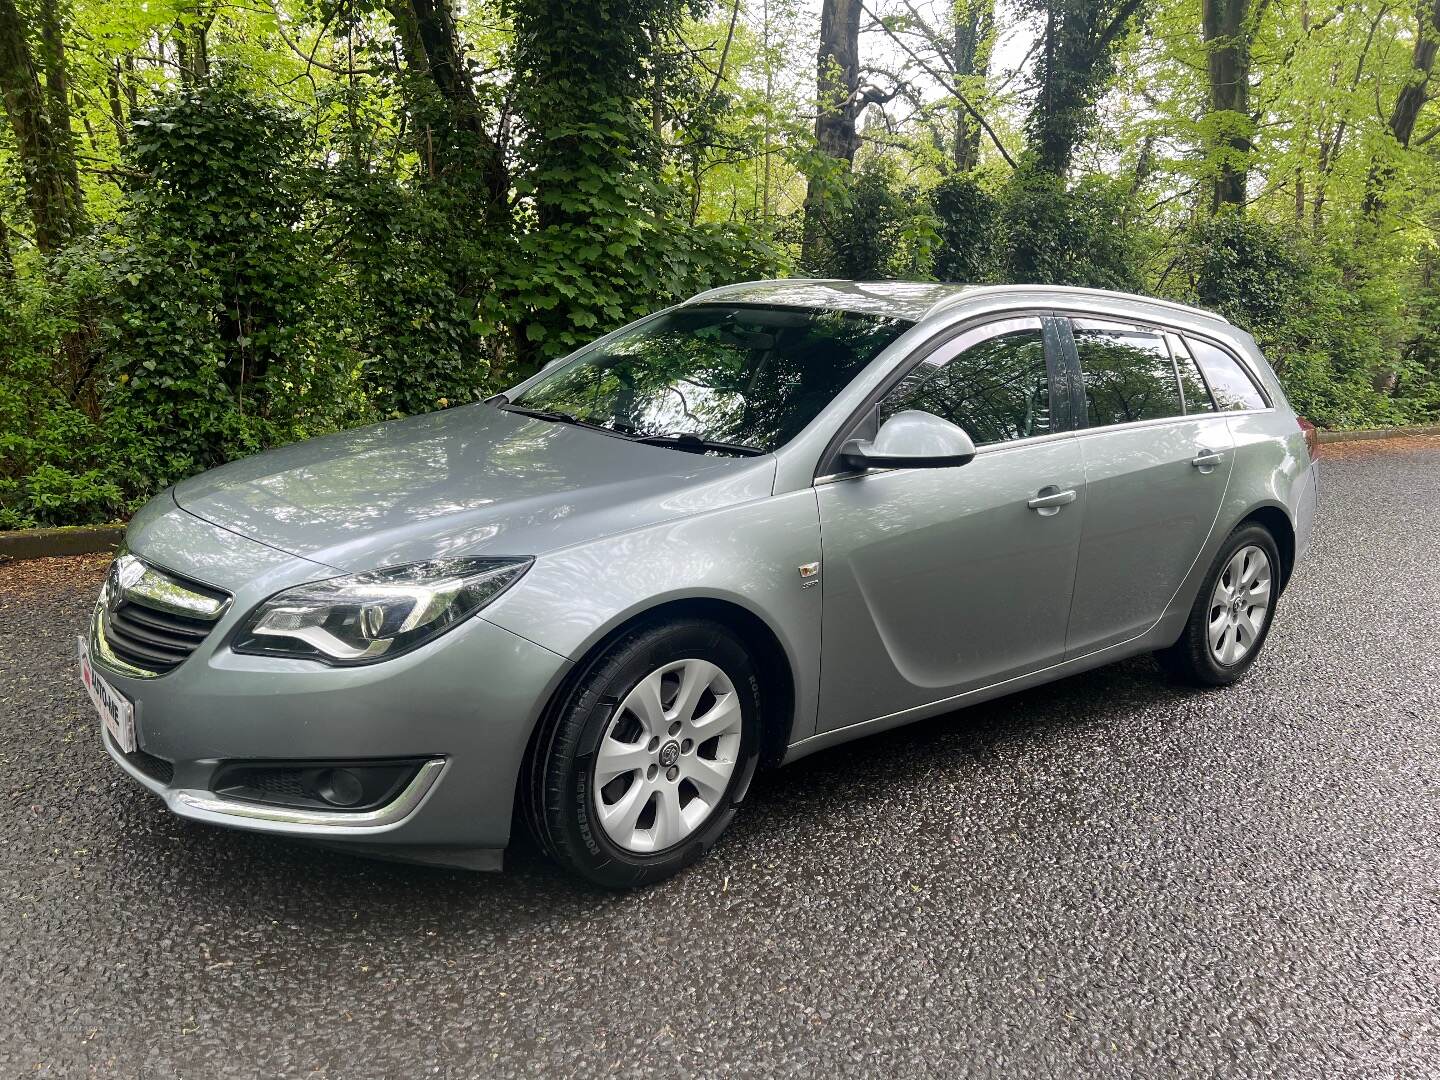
point(464, 705)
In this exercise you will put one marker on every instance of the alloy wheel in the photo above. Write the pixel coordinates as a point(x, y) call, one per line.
point(665, 761)
point(1239, 605)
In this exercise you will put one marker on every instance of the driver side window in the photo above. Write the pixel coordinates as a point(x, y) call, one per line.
point(991, 380)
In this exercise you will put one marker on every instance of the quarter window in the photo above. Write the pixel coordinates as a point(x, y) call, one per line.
point(1233, 389)
point(992, 381)
point(1127, 372)
point(1197, 397)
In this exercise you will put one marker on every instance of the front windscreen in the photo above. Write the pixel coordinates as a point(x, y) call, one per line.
point(748, 376)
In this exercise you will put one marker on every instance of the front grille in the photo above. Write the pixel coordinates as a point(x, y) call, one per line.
point(149, 638)
point(157, 769)
point(148, 621)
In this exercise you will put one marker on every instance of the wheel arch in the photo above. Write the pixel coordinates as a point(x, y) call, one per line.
point(1276, 521)
point(776, 667)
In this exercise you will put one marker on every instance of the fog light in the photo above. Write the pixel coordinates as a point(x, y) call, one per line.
point(339, 787)
point(316, 785)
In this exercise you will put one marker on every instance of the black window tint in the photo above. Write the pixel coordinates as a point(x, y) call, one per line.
point(992, 382)
point(1128, 374)
point(1197, 397)
point(1231, 386)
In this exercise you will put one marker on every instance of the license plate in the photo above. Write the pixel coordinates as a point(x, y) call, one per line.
point(116, 713)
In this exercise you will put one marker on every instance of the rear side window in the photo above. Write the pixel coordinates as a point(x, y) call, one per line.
point(1232, 387)
point(992, 381)
point(1127, 372)
point(1192, 386)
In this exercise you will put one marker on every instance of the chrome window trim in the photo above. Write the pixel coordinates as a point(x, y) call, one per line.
point(1162, 421)
point(1150, 322)
point(1260, 386)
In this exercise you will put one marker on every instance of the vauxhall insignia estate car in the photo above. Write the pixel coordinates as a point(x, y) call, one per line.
point(776, 517)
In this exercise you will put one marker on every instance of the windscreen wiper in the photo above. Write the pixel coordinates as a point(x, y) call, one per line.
point(552, 415)
point(694, 444)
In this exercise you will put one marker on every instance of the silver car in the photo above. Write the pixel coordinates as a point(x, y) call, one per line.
point(777, 517)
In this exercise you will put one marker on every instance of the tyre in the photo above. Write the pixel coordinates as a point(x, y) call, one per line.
point(1232, 613)
point(644, 760)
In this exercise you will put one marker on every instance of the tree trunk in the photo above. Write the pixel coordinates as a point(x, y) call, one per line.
point(1075, 63)
point(192, 46)
point(7, 259)
point(1228, 32)
point(43, 141)
point(973, 23)
point(114, 96)
point(837, 83)
point(431, 45)
point(1408, 103)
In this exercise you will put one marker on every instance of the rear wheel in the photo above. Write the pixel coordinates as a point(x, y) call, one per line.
point(1232, 613)
point(644, 762)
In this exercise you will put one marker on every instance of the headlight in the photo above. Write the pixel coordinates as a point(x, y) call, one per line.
point(368, 617)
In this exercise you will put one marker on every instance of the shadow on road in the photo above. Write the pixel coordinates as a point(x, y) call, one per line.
point(835, 781)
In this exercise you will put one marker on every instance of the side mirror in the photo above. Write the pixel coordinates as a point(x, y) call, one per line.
point(911, 440)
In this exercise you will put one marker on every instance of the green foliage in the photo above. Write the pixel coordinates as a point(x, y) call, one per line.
point(397, 308)
point(1079, 40)
point(53, 454)
point(1332, 328)
point(1058, 233)
point(609, 243)
point(968, 218)
point(245, 296)
point(212, 311)
point(1249, 270)
point(877, 226)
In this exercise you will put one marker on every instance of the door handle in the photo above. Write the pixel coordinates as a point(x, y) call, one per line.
point(1207, 459)
point(1049, 500)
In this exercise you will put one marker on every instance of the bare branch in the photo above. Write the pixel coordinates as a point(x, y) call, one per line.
point(309, 57)
point(950, 86)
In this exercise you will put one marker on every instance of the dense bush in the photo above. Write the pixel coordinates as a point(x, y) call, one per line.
point(54, 454)
point(1038, 228)
point(1335, 334)
point(249, 293)
point(877, 226)
point(1059, 233)
point(967, 216)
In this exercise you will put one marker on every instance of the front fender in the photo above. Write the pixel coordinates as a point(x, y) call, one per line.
point(748, 555)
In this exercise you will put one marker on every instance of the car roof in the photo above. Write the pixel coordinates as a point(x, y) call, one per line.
point(909, 300)
point(913, 301)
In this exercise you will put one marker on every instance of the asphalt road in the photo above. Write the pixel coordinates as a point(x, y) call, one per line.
point(1105, 877)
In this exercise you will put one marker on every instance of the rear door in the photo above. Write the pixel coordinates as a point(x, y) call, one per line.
point(939, 581)
point(1157, 458)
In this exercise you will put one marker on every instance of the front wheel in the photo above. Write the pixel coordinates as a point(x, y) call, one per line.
point(645, 760)
point(1232, 614)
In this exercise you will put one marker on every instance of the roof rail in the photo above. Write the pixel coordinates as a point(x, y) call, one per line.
point(718, 289)
point(1074, 290)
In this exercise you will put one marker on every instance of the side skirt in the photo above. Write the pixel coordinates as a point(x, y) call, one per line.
point(1146, 642)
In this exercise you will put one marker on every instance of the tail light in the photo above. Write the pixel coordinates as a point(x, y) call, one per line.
point(1312, 437)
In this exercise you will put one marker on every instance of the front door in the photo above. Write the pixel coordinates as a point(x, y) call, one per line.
point(1157, 462)
point(939, 581)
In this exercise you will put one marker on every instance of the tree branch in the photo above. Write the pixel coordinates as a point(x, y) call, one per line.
point(951, 87)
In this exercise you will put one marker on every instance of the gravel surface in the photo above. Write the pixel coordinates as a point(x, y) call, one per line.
point(1108, 876)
